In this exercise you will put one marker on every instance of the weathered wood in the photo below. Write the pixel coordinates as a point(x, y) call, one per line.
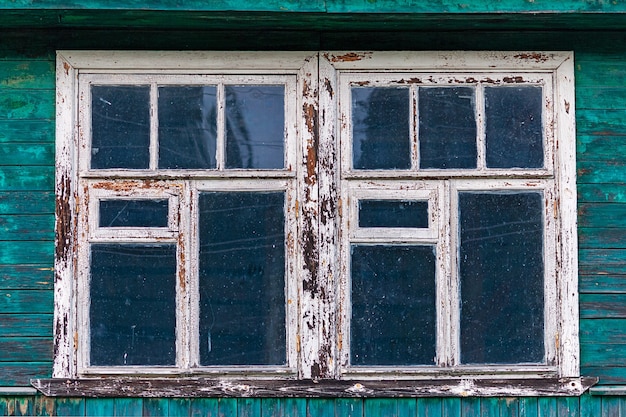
point(204, 387)
point(25, 349)
point(37, 178)
point(295, 407)
point(602, 193)
point(26, 325)
point(528, 407)
point(602, 238)
point(71, 407)
point(27, 74)
point(20, 373)
point(602, 306)
point(35, 277)
point(608, 375)
point(27, 154)
point(29, 227)
point(26, 104)
point(602, 261)
point(599, 148)
point(25, 301)
point(180, 407)
point(104, 407)
point(349, 407)
point(26, 131)
point(26, 202)
point(602, 215)
point(28, 252)
point(601, 122)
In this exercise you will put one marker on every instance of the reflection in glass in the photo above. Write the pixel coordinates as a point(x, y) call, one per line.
point(187, 127)
point(447, 127)
point(242, 278)
point(120, 127)
point(133, 304)
point(255, 126)
point(514, 127)
point(501, 276)
point(133, 213)
point(381, 128)
point(393, 305)
point(393, 213)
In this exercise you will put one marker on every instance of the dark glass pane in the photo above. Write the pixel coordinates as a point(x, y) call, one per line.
point(393, 213)
point(133, 213)
point(502, 277)
point(242, 278)
point(447, 127)
point(393, 305)
point(187, 127)
point(133, 304)
point(255, 126)
point(381, 128)
point(514, 127)
point(120, 127)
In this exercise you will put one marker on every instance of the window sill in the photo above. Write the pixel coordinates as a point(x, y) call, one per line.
point(204, 387)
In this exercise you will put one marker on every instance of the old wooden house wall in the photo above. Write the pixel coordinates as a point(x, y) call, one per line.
point(27, 51)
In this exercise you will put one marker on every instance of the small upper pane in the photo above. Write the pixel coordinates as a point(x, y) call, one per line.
point(514, 127)
point(187, 127)
point(447, 127)
point(133, 213)
point(255, 126)
point(393, 213)
point(381, 128)
point(120, 127)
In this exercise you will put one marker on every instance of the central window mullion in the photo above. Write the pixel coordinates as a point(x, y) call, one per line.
point(221, 127)
point(154, 127)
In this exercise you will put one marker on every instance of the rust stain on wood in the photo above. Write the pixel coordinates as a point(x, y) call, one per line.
point(349, 57)
point(535, 56)
point(513, 80)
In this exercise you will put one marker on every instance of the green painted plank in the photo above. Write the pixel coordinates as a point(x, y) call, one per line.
point(406, 407)
point(250, 407)
point(602, 238)
point(24, 252)
point(600, 97)
point(602, 215)
point(25, 349)
point(70, 407)
point(20, 154)
point(602, 261)
point(296, 407)
point(601, 171)
point(26, 301)
point(528, 407)
point(26, 202)
point(179, 407)
point(204, 407)
point(349, 407)
point(602, 193)
point(45, 406)
point(611, 407)
point(26, 104)
point(601, 122)
point(429, 407)
point(599, 148)
point(4, 405)
point(470, 407)
point(23, 406)
point(27, 74)
point(547, 407)
point(590, 406)
point(602, 354)
point(26, 277)
point(26, 325)
point(614, 375)
point(451, 407)
point(20, 373)
point(26, 131)
point(605, 73)
point(155, 407)
point(227, 407)
point(568, 406)
point(489, 407)
point(99, 407)
point(321, 407)
point(35, 178)
point(376, 407)
point(128, 407)
point(602, 284)
point(28, 227)
point(602, 306)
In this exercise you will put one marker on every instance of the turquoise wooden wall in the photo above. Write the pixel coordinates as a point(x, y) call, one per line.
point(27, 166)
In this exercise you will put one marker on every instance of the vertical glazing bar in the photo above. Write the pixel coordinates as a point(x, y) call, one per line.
point(221, 128)
point(414, 130)
point(154, 127)
point(480, 126)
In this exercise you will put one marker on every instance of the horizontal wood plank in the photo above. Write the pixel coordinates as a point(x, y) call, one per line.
point(28, 227)
point(602, 193)
point(25, 349)
point(37, 178)
point(602, 238)
point(26, 325)
point(601, 97)
point(601, 122)
point(27, 252)
point(599, 148)
point(26, 104)
point(27, 74)
point(602, 261)
point(602, 306)
point(21, 154)
point(26, 301)
point(26, 131)
point(26, 277)
point(602, 215)
point(26, 202)
point(602, 284)
point(607, 375)
point(20, 373)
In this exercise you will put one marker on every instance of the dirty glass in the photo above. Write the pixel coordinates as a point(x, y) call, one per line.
point(447, 127)
point(514, 127)
point(381, 128)
point(393, 213)
point(120, 127)
point(393, 305)
point(242, 278)
point(133, 213)
point(502, 277)
point(133, 304)
point(187, 127)
point(255, 126)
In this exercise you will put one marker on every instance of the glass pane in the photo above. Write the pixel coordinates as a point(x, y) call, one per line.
point(120, 127)
point(187, 127)
point(393, 213)
point(133, 304)
point(242, 278)
point(133, 213)
point(393, 305)
point(447, 127)
point(381, 128)
point(255, 126)
point(514, 127)
point(502, 277)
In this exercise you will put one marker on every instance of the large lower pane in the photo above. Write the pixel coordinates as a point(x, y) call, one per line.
point(133, 304)
point(447, 127)
point(187, 127)
point(120, 127)
point(255, 126)
point(393, 305)
point(502, 277)
point(514, 127)
point(242, 278)
point(381, 128)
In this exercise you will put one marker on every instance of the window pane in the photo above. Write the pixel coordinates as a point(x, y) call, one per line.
point(393, 213)
point(393, 305)
point(502, 277)
point(514, 127)
point(120, 127)
point(447, 127)
point(133, 304)
point(133, 213)
point(381, 128)
point(242, 278)
point(255, 126)
point(187, 127)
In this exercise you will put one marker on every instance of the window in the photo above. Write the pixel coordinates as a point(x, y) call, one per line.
point(327, 215)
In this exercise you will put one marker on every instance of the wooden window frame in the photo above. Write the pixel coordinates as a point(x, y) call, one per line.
point(323, 185)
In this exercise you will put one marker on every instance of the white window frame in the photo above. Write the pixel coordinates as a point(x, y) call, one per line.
point(322, 189)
